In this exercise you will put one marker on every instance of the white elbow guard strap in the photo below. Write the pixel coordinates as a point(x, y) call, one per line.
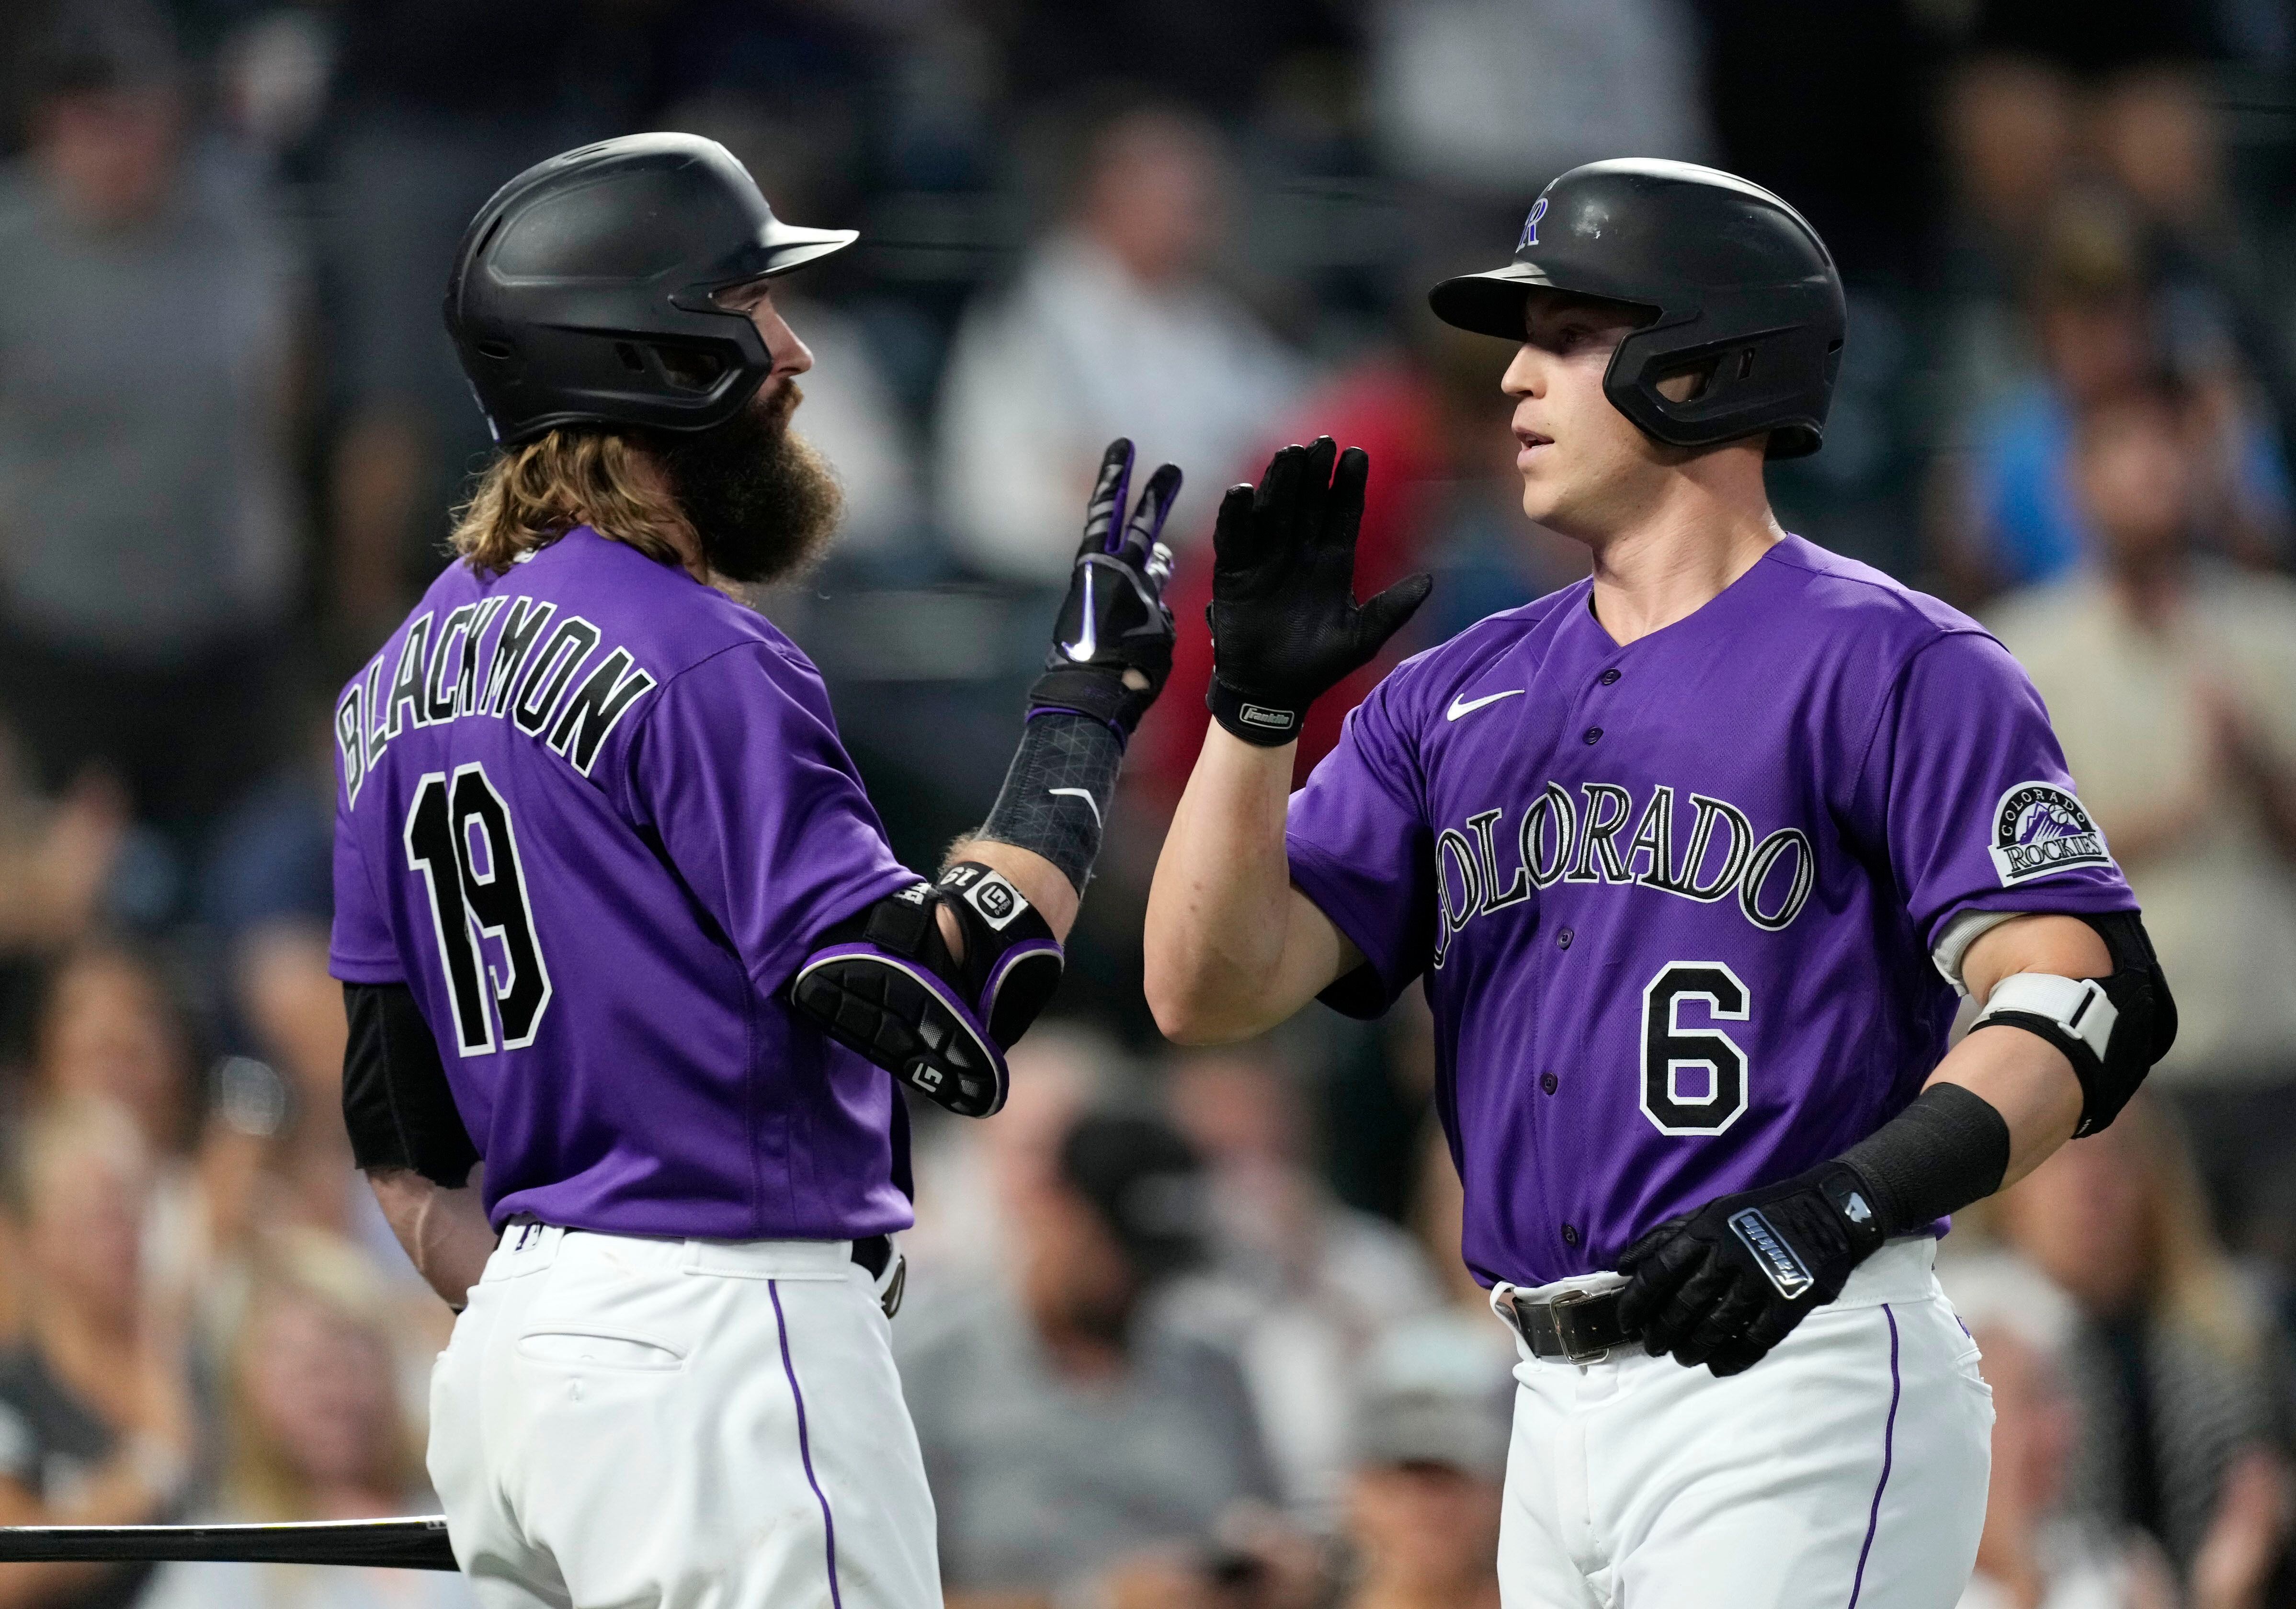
point(887, 985)
point(2112, 1028)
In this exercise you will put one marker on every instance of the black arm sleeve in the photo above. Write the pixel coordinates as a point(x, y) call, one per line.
point(1948, 1149)
point(396, 1104)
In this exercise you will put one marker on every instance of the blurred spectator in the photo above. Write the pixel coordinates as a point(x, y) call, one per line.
point(1116, 327)
point(2032, 1555)
point(437, 103)
point(976, 1180)
point(96, 1424)
point(56, 856)
point(1218, 56)
point(1495, 97)
point(1431, 1444)
point(2171, 680)
point(148, 319)
point(2173, 1365)
point(1309, 1285)
point(1072, 1430)
point(111, 1028)
point(314, 1431)
point(2101, 330)
point(1439, 1209)
point(296, 1010)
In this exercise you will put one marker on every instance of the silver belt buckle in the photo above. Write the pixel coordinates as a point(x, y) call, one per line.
point(1559, 1307)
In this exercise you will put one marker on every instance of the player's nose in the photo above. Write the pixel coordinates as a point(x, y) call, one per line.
point(791, 355)
point(1525, 376)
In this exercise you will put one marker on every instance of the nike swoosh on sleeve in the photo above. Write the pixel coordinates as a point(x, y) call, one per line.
point(1090, 803)
point(1468, 706)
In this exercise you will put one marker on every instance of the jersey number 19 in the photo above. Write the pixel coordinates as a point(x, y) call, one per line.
point(459, 837)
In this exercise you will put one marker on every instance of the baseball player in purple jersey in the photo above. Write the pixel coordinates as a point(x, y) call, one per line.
point(628, 960)
point(1691, 859)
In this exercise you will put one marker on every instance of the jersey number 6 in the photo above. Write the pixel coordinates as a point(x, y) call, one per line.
point(1668, 1048)
point(459, 837)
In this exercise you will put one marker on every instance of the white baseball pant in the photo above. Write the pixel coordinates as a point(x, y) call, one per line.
point(1847, 1470)
point(680, 1425)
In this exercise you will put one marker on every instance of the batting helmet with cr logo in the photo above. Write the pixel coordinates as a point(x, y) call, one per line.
point(1737, 285)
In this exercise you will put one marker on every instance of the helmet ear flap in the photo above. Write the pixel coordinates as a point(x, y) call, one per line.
point(1746, 384)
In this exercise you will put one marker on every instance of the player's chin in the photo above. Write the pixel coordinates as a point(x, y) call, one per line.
point(1544, 498)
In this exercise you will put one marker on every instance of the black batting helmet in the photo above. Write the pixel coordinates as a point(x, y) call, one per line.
point(1737, 281)
point(584, 292)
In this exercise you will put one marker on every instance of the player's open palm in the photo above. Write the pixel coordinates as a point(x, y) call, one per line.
point(1285, 623)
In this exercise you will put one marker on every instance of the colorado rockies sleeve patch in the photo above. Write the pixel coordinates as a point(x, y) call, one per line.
point(2039, 828)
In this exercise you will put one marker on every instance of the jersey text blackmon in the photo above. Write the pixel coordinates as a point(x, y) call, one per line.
point(441, 675)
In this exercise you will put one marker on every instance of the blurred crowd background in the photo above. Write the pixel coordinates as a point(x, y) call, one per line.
point(1181, 1332)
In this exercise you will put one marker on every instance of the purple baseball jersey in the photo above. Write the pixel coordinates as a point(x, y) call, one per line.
point(1675, 902)
point(594, 814)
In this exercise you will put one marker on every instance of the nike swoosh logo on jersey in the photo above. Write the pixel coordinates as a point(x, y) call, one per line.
point(1090, 803)
point(1468, 706)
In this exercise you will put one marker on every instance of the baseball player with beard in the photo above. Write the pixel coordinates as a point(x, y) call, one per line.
point(1692, 859)
point(627, 958)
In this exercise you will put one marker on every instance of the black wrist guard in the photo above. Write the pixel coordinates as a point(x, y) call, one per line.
point(1948, 1149)
point(1056, 794)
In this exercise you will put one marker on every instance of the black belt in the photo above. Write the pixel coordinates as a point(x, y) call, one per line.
point(1580, 1325)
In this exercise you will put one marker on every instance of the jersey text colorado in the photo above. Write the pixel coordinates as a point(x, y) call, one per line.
point(1713, 856)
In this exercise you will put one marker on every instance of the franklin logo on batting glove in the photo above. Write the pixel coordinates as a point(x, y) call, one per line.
point(1778, 1259)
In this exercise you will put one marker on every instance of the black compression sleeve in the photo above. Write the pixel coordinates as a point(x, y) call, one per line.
point(397, 1103)
point(1056, 794)
point(1948, 1149)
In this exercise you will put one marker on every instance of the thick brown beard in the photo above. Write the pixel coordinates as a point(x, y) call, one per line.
point(763, 501)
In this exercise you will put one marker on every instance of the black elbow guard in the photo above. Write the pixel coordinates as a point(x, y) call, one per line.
point(886, 984)
point(2112, 1028)
point(397, 1105)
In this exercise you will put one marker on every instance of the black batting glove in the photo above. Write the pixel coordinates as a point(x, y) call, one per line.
point(1285, 623)
point(1112, 646)
point(1724, 1284)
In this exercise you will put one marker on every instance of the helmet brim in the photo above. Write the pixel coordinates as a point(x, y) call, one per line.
point(778, 248)
point(791, 246)
point(1492, 302)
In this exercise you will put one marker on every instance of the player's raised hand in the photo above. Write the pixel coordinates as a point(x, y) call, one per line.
point(1724, 1284)
point(1285, 623)
point(1112, 646)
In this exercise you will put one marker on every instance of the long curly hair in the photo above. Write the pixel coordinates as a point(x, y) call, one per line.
point(534, 494)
